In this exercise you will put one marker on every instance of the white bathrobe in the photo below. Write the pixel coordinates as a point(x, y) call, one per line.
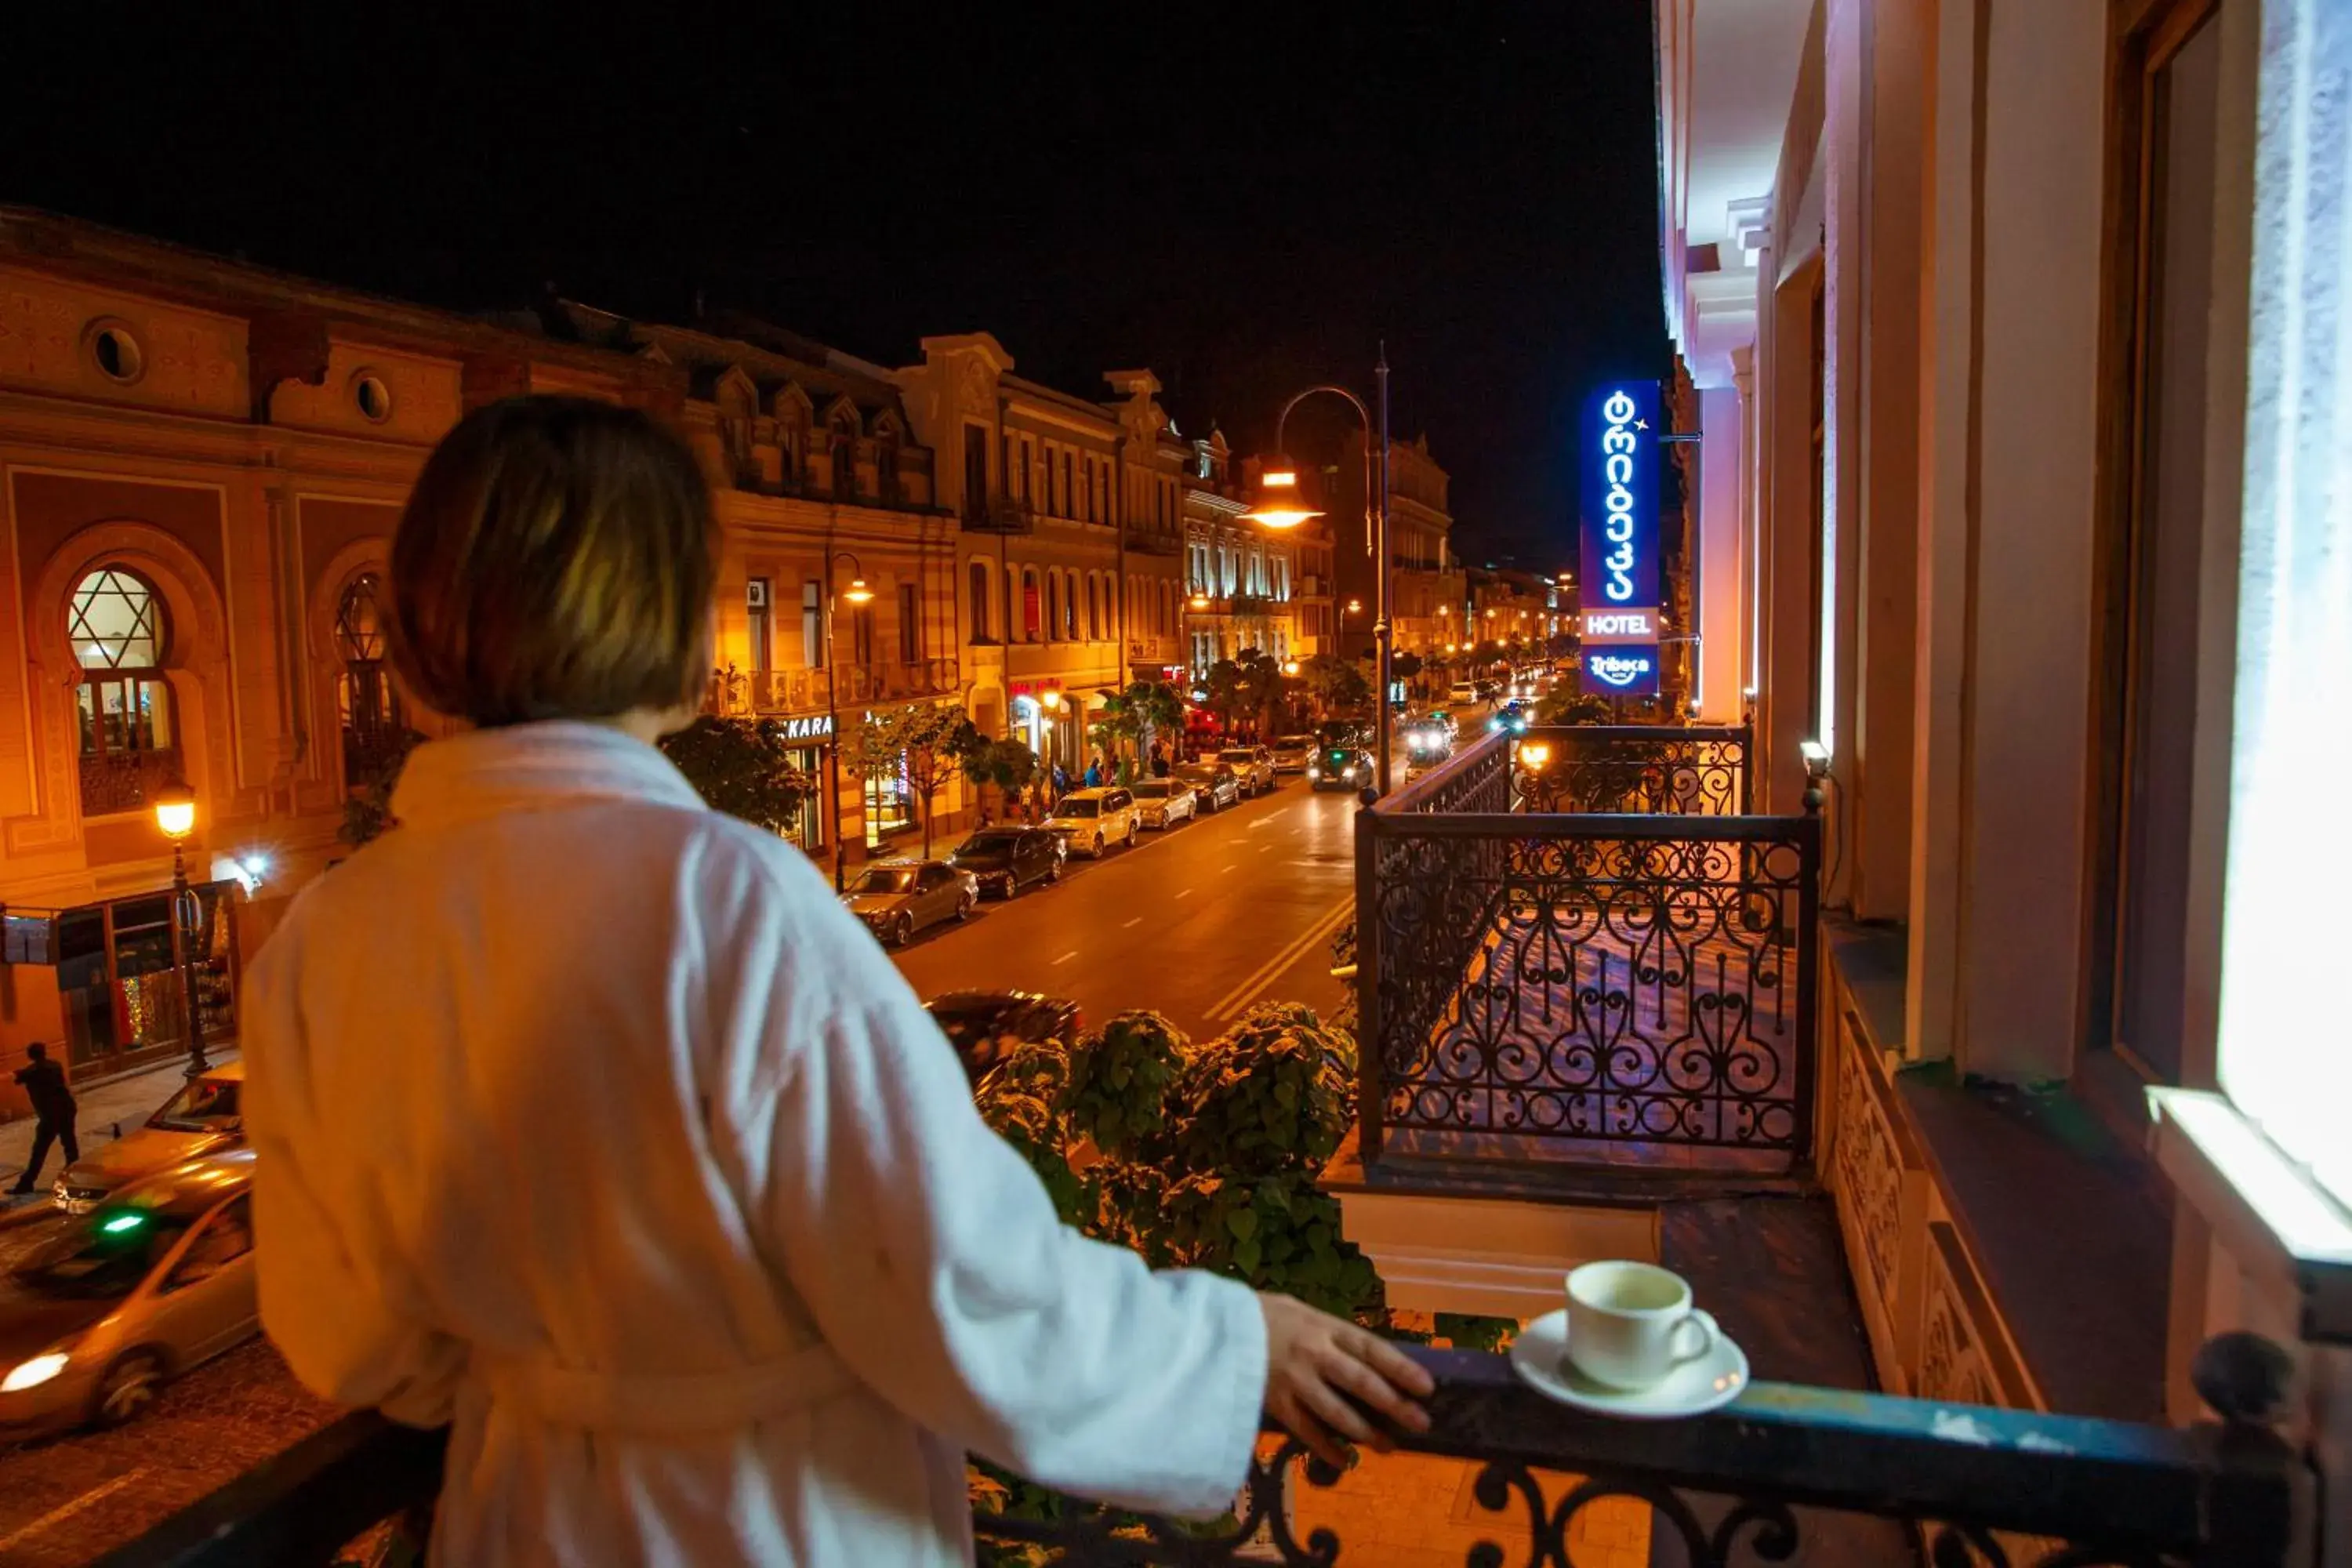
point(589, 1121)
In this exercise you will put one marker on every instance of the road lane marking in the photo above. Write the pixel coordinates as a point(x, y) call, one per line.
point(1066, 958)
point(1133, 924)
point(1263, 821)
point(1229, 867)
point(58, 1516)
point(1233, 1002)
point(1185, 894)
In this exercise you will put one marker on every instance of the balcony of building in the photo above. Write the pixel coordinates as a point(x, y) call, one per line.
point(781, 693)
point(1593, 1006)
point(999, 515)
point(1785, 1474)
point(1145, 540)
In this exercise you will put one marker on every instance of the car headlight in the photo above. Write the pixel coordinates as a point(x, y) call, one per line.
point(1349, 771)
point(33, 1373)
point(1314, 772)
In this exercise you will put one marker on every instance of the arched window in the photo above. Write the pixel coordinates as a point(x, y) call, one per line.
point(1094, 607)
point(1053, 605)
point(1070, 607)
point(1031, 622)
point(129, 740)
point(375, 730)
point(980, 602)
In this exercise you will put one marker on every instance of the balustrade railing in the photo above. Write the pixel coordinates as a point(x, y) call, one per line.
point(1677, 771)
point(1573, 992)
point(125, 781)
point(1784, 1473)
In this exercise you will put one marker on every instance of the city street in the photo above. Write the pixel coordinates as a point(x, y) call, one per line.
point(1197, 921)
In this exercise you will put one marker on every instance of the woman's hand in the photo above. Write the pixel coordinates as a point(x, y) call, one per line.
point(1315, 1363)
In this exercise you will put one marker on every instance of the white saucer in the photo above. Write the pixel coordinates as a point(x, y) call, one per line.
point(1540, 1355)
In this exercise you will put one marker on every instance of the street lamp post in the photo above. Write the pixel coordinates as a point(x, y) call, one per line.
point(175, 815)
point(857, 593)
point(1280, 505)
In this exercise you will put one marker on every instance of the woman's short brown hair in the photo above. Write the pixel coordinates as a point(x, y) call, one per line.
point(557, 559)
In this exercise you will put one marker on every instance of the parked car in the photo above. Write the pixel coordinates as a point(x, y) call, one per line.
point(99, 1311)
point(1003, 860)
point(1292, 753)
point(1465, 691)
point(1340, 767)
point(1217, 784)
point(1163, 803)
point(1254, 765)
point(896, 899)
point(204, 1116)
point(983, 1025)
point(1091, 820)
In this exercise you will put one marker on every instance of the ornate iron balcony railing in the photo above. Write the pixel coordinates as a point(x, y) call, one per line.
point(1565, 994)
point(1784, 1473)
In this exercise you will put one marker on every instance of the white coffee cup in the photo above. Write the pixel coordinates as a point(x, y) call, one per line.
point(1629, 1324)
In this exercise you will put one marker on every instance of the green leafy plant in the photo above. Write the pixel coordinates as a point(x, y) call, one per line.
point(742, 767)
point(1008, 765)
point(1119, 1078)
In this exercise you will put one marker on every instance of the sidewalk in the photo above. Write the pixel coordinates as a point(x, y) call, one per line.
point(103, 1114)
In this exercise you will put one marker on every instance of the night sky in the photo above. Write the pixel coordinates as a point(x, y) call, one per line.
point(1243, 201)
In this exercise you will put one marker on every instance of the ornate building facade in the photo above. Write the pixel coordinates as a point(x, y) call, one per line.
point(201, 464)
point(818, 482)
point(1426, 577)
point(1068, 518)
point(1241, 578)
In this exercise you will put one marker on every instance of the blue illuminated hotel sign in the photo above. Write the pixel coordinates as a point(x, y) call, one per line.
point(1618, 627)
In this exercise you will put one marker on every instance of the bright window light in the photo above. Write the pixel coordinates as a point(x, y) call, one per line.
point(2281, 1061)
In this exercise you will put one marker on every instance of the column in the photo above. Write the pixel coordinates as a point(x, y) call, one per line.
point(1722, 569)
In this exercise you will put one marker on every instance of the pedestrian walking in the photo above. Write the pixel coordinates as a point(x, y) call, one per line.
point(1061, 781)
point(1094, 773)
point(53, 1113)
point(1158, 760)
point(738, 1281)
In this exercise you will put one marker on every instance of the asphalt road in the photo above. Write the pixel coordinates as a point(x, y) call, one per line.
point(1197, 921)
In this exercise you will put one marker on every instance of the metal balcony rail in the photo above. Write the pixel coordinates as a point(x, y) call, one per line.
point(125, 781)
point(1683, 770)
point(1154, 541)
point(999, 514)
point(1569, 994)
point(1784, 1473)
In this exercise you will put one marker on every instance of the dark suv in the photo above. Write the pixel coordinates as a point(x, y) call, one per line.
point(1003, 860)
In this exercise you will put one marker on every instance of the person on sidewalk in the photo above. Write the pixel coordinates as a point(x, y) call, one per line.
point(53, 1113)
point(588, 1121)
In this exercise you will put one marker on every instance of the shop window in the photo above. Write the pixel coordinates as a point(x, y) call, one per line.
point(119, 978)
point(129, 731)
point(376, 727)
point(889, 802)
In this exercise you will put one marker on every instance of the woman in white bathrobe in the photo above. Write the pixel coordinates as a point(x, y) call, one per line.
point(590, 1123)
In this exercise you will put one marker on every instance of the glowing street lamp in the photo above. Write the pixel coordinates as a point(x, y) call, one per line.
point(1290, 666)
point(175, 817)
point(1280, 504)
point(1199, 600)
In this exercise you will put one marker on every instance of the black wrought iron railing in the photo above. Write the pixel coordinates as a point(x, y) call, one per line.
point(1784, 1473)
point(1567, 992)
point(1695, 771)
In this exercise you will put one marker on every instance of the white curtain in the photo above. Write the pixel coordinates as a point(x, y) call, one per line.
point(2285, 1058)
